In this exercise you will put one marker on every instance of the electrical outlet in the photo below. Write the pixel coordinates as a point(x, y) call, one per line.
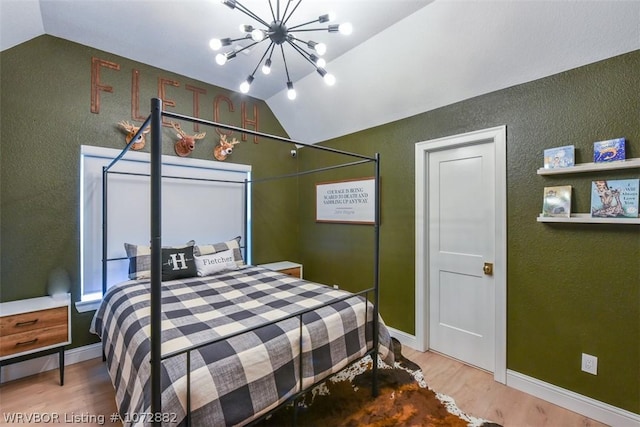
point(336, 286)
point(590, 364)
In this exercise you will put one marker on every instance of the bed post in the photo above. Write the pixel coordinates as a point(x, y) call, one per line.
point(104, 231)
point(156, 258)
point(376, 280)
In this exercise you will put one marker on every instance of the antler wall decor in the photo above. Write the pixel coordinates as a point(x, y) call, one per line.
point(186, 143)
point(225, 148)
point(131, 131)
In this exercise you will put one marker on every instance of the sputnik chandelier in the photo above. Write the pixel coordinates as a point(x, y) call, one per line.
point(278, 34)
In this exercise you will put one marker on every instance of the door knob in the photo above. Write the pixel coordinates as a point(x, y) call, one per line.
point(488, 268)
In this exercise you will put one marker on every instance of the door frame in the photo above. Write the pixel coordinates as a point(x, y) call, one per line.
point(498, 136)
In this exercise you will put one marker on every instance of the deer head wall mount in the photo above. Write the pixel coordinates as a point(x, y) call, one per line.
point(131, 130)
point(186, 143)
point(225, 148)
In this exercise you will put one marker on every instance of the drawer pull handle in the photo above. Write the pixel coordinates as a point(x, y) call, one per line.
point(33, 341)
point(27, 323)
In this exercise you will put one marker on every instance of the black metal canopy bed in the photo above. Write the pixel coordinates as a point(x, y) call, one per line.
point(226, 343)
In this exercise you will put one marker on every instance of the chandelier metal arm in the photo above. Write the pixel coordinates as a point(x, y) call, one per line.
point(242, 8)
point(261, 58)
point(285, 18)
point(302, 25)
point(307, 29)
point(292, 38)
point(272, 46)
point(273, 15)
point(247, 47)
point(306, 55)
point(286, 69)
point(248, 36)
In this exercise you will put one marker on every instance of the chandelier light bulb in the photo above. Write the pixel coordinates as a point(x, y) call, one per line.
point(291, 92)
point(266, 68)
point(319, 62)
point(221, 59)
point(215, 44)
point(257, 35)
point(321, 48)
point(246, 85)
point(345, 29)
point(329, 79)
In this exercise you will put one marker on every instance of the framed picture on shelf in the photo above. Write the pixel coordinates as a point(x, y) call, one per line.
point(346, 201)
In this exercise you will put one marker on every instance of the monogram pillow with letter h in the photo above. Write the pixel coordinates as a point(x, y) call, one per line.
point(140, 259)
point(178, 263)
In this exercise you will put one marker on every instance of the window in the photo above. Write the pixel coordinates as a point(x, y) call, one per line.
point(201, 200)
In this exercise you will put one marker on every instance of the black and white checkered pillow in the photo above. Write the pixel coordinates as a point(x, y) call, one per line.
point(140, 259)
point(233, 244)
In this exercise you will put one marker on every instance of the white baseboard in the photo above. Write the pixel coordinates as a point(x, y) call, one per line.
point(403, 337)
point(572, 401)
point(46, 363)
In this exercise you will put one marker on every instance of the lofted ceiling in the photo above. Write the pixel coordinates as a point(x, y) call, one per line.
point(403, 58)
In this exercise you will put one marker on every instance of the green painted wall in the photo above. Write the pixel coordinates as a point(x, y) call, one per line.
point(46, 116)
point(571, 288)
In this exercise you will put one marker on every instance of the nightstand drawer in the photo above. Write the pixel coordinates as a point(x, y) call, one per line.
point(35, 327)
point(29, 340)
point(35, 320)
point(295, 272)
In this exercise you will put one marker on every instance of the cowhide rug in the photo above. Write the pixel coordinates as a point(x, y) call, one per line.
point(404, 400)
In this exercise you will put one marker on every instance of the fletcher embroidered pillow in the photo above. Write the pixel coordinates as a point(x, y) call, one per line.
point(233, 244)
point(215, 263)
point(178, 263)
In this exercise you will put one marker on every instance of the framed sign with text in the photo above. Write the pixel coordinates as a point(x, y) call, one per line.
point(347, 201)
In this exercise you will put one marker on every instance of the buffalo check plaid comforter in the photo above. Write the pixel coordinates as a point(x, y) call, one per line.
point(237, 379)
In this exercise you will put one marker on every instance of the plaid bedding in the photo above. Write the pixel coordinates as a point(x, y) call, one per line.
point(237, 379)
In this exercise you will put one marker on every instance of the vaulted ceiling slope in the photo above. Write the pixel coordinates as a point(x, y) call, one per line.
point(403, 58)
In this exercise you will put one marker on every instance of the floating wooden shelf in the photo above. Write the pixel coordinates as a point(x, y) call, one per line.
point(591, 167)
point(586, 218)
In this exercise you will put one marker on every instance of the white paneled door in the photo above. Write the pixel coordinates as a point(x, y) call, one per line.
point(461, 228)
point(460, 193)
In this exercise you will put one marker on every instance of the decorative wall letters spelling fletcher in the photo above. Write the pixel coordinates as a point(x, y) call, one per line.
point(219, 101)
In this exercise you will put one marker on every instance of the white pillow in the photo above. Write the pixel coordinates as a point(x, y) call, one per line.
point(215, 263)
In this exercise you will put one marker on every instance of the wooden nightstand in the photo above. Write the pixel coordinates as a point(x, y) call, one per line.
point(35, 327)
point(286, 267)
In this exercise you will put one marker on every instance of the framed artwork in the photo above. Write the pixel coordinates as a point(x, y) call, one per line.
point(347, 201)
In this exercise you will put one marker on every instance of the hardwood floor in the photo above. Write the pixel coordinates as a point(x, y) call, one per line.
point(87, 392)
point(87, 398)
point(477, 394)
